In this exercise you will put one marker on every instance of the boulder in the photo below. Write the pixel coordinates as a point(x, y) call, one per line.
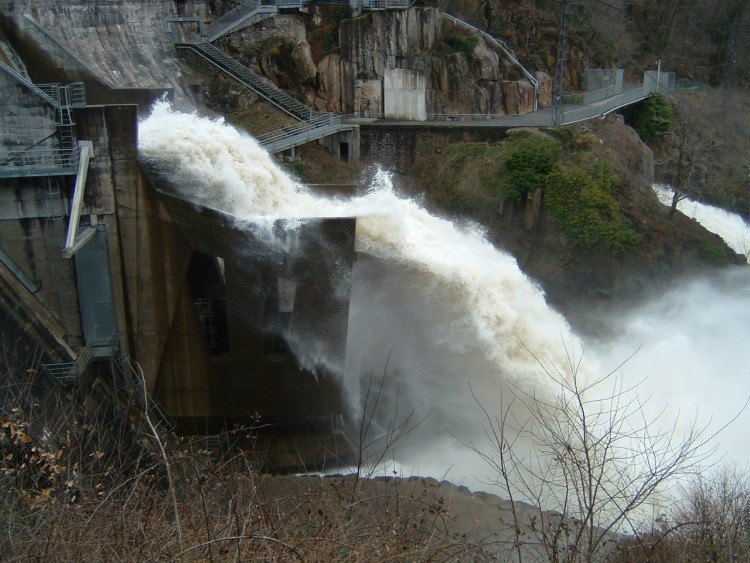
point(486, 62)
point(329, 77)
point(546, 87)
point(518, 96)
point(304, 67)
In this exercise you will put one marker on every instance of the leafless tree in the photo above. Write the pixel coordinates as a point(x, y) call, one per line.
point(591, 460)
point(688, 160)
point(657, 24)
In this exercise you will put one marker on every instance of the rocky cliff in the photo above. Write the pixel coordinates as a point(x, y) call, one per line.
point(338, 64)
point(332, 60)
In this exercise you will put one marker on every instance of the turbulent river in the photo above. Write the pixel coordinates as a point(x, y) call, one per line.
point(451, 321)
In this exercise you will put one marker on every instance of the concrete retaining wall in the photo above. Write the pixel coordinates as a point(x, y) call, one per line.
point(398, 146)
point(404, 93)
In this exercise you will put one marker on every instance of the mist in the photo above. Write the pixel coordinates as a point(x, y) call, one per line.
point(690, 347)
point(447, 322)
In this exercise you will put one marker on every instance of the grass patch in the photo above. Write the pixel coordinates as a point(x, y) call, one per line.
point(462, 43)
point(464, 177)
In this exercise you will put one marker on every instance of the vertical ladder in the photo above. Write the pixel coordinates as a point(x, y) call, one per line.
point(206, 315)
point(53, 200)
point(65, 123)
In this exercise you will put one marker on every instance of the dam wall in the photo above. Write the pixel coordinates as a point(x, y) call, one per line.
point(118, 44)
point(216, 320)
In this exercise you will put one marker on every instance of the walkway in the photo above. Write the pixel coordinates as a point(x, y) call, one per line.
point(40, 159)
point(573, 113)
point(315, 125)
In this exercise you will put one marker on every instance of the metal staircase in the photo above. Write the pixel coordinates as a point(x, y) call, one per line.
point(244, 75)
point(64, 98)
point(54, 202)
point(133, 380)
point(130, 377)
point(248, 12)
point(30, 85)
point(253, 11)
point(319, 126)
point(71, 373)
point(314, 125)
point(37, 160)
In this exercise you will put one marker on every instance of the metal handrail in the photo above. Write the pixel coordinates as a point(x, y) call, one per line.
point(54, 93)
point(239, 15)
point(39, 161)
point(248, 10)
point(77, 94)
point(504, 48)
point(321, 125)
point(23, 80)
point(71, 373)
point(318, 121)
point(269, 91)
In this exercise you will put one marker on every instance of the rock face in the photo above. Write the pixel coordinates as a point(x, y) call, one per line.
point(303, 64)
point(123, 44)
point(329, 79)
point(350, 78)
point(416, 39)
point(519, 96)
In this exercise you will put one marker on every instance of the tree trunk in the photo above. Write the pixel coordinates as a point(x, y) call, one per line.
point(675, 200)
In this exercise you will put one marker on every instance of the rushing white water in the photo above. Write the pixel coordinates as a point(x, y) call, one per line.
point(441, 312)
point(502, 310)
point(692, 353)
point(729, 226)
point(434, 301)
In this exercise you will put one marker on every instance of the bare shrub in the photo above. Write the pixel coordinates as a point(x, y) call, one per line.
point(714, 517)
point(83, 486)
point(591, 460)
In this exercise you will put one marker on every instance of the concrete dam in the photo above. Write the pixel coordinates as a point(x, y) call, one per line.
point(102, 265)
point(170, 253)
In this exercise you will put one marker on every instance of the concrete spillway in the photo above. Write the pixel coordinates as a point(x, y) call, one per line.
point(208, 310)
point(258, 300)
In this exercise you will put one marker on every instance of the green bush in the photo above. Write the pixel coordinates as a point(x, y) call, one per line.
point(297, 168)
point(655, 118)
point(529, 159)
point(583, 206)
point(462, 43)
point(713, 251)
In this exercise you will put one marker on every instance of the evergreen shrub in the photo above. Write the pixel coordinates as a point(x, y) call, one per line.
point(584, 207)
point(529, 159)
point(655, 118)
